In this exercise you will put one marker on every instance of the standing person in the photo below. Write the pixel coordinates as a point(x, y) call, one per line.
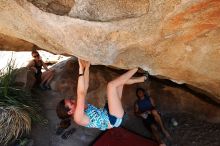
point(42, 79)
point(145, 108)
point(90, 116)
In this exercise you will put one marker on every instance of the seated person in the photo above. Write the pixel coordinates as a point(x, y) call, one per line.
point(36, 65)
point(90, 116)
point(145, 108)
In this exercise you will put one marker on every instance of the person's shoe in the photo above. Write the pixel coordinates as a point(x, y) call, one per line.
point(67, 134)
point(42, 87)
point(23, 142)
point(48, 87)
point(140, 70)
point(60, 130)
point(146, 74)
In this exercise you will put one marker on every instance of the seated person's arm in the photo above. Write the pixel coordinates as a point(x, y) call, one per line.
point(136, 110)
point(45, 66)
point(139, 113)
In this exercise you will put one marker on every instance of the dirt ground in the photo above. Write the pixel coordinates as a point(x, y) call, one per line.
point(192, 132)
point(189, 131)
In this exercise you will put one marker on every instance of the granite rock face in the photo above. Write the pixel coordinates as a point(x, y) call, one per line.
point(105, 10)
point(58, 7)
point(14, 44)
point(168, 98)
point(174, 39)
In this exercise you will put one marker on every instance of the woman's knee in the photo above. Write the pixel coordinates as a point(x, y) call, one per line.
point(155, 112)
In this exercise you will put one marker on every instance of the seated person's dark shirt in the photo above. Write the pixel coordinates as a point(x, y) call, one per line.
point(146, 105)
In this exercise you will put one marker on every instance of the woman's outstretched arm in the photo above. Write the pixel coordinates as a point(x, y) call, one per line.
point(79, 116)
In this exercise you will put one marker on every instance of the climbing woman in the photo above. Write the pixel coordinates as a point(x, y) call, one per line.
point(90, 116)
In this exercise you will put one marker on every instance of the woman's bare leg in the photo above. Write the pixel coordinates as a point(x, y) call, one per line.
point(114, 91)
point(156, 134)
point(132, 80)
point(129, 82)
point(160, 123)
point(49, 79)
point(44, 77)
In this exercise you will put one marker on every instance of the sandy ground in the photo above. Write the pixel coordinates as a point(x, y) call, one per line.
point(193, 132)
point(189, 132)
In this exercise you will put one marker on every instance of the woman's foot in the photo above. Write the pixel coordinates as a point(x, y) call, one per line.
point(42, 87)
point(144, 72)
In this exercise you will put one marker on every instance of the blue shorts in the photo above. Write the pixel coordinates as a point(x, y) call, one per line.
point(114, 121)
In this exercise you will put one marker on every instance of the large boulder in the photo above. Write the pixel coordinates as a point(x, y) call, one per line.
point(24, 78)
point(173, 39)
point(168, 98)
point(59, 7)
